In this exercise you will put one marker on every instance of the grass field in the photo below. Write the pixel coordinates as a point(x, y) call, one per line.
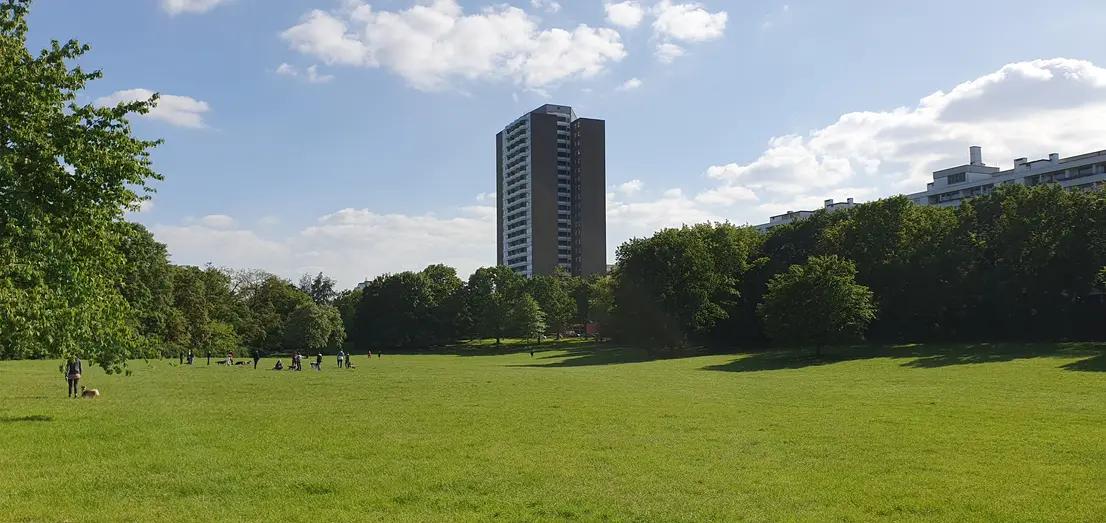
point(1000, 433)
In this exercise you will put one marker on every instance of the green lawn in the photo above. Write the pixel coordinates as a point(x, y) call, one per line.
point(1000, 433)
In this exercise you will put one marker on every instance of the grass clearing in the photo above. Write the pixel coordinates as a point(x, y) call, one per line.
point(1001, 433)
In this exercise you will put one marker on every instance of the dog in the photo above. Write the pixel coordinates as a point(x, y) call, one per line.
point(89, 393)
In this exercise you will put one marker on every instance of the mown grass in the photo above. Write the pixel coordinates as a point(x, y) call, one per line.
point(1000, 433)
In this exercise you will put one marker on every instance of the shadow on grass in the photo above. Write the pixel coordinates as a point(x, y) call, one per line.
point(25, 419)
point(584, 356)
point(925, 356)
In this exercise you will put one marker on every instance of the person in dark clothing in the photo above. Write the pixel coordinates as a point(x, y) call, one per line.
point(319, 361)
point(209, 357)
point(349, 360)
point(256, 358)
point(191, 357)
point(181, 354)
point(73, 375)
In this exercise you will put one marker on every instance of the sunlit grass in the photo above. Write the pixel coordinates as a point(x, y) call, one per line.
point(1005, 433)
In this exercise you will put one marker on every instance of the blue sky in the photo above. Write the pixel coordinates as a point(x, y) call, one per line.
point(358, 137)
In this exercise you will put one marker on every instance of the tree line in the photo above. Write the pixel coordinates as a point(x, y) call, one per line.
point(77, 278)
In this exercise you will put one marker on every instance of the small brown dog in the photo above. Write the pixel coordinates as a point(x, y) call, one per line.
point(89, 393)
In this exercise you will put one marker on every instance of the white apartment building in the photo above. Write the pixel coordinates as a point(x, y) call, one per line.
point(794, 216)
point(952, 186)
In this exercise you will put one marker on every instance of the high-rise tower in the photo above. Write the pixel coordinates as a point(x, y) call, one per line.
point(550, 188)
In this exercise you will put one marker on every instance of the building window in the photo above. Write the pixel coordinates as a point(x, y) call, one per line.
point(957, 178)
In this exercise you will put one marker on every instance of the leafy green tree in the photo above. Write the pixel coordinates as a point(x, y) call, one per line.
point(147, 285)
point(528, 319)
point(272, 304)
point(553, 294)
point(223, 339)
point(681, 286)
point(409, 309)
point(493, 294)
point(67, 173)
point(601, 305)
point(902, 253)
point(818, 303)
point(314, 328)
point(319, 287)
point(346, 302)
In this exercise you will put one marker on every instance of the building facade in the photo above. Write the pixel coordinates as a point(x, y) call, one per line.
point(952, 186)
point(794, 216)
point(550, 192)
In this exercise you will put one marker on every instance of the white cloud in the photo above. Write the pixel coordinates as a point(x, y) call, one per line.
point(630, 85)
point(350, 244)
point(624, 14)
point(549, 6)
point(217, 221)
point(175, 7)
point(1024, 109)
point(145, 206)
point(435, 44)
point(631, 187)
point(485, 197)
point(668, 52)
point(689, 22)
point(309, 75)
point(182, 111)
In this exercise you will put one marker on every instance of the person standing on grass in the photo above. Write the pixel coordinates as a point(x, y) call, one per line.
point(256, 357)
point(181, 354)
point(209, 357)
point(349, 360)
point(341, 358)
point(191, 357)
point(73, 375)
point(319, 361)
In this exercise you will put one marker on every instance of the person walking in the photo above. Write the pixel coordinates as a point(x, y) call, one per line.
point(73, 375)
point(191, 357)
point(319, 362)
point(209, 357)
point(341, 358)
point(349, 360)
point(256, 357)
point(181, 354)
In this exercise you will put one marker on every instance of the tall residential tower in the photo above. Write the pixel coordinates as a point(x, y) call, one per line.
point(550, 187)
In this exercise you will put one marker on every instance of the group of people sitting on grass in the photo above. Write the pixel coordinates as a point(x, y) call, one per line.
point(344, 361)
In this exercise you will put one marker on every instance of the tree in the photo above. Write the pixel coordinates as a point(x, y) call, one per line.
point(314, 328)
point(527, 318)
point(319, 287)
point(271, 305)
point(146, 282)
point(409, 309)
point(681, 286)
point(553, 294)
point(493, 293)
point(817, 303)
point(600, 305)
point(67, 173)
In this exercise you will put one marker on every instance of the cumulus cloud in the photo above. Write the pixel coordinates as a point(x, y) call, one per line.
point(624, 14)
point(309, 75)
point(1023, 109)
point(631, 187)
point(175, 7)
point(668, 52)
point(434, 44)
point(630, 85)
point(690, 22)
point(549, 6)
point(217, 221)
point(349, 244)
point(182, 111)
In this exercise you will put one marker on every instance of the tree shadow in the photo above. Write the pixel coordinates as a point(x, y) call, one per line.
point(585, 356)
point(23, 419)
point(921, 356)
point(1095, 363)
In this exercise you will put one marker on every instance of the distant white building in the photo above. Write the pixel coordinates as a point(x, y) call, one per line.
point(794, 216)
point(952, 186)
